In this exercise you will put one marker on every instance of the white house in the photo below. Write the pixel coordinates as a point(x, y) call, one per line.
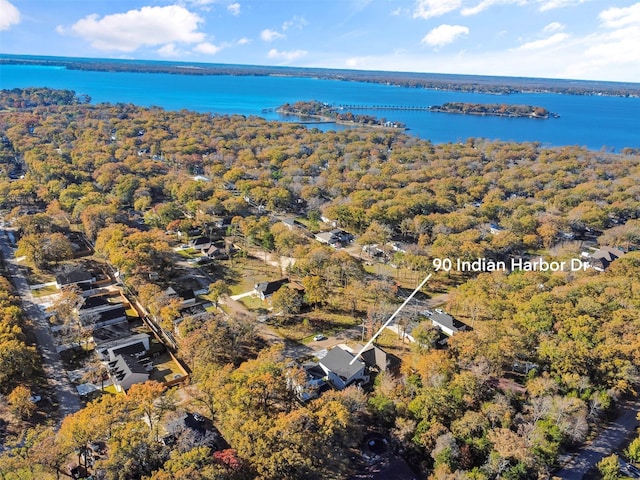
point(126, 371)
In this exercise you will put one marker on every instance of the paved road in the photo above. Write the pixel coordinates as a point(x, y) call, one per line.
point(610, 439)
point(68, 400)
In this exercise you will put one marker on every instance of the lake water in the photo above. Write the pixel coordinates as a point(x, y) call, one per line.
point(594, 122)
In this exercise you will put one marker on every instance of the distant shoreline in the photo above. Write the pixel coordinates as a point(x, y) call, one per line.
point(433, 81)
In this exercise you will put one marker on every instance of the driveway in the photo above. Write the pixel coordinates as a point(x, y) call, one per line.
point(611, 438)
point(67, 398)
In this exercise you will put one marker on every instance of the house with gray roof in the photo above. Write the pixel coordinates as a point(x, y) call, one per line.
point(266, 289)
point(603, 257)
point(339, 369)
point(126, 371)
point(447, 324)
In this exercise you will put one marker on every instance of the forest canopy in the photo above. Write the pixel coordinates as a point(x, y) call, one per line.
point(131, 177)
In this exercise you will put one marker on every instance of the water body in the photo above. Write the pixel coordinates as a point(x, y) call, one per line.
point(594, 122)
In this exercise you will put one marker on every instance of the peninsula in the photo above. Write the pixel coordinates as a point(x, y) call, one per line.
point(324, 112)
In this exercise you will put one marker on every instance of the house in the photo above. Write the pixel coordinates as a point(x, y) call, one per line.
point(340, 371)
point(131, 344)
point(198, 429)
point(216, 252)
point(187, 297)
point(109, 317)
point(447, 324)
point(377, 359)
point(495, 229)
point(603, 257)
point(313, 385)
point(126, 371)
point(76, 276)
point(289, 223)
point(200, 243)
point(335, 238)
point(266, 289)
point(110, 333)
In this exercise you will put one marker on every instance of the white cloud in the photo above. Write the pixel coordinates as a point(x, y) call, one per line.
point(10, 15)
point(553, 4)
point(400, 12)
point(433, 8)
point(296, 22)
point(621, 17)
point(234, 9)
point(444, 34)
point(485, 4)
point(269, 35)
point(169, 50)
point(149, 26)
point(244, 41)
point(287, 56)
point(545, 42)
point(553, 27)
point(207, 48)
point(615, 46)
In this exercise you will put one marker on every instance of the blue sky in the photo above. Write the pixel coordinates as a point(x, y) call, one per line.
point(581, 39)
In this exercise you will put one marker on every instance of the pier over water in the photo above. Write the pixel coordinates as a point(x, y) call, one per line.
point(383, 107)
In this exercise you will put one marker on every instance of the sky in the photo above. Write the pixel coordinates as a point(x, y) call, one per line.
point(574, 39)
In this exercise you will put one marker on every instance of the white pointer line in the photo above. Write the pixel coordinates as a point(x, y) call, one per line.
point(386, 324)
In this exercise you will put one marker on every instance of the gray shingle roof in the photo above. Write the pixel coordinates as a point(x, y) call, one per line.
point(337, 361)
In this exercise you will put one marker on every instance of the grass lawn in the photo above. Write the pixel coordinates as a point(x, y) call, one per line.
point(44, 291)
point(37, 277)
point(253, 303)
point(165, 369)
point(307, 325)
point(377, 268)
point(189, 253)
point(245, 272)
point(390, 342)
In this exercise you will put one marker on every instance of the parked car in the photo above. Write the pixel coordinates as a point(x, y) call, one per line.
point(319, 337)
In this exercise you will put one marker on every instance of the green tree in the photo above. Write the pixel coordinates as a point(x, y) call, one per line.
point(287, 301)
point(20, 402)
point(609, 467)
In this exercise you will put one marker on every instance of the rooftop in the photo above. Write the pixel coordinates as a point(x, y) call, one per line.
point(338, 361)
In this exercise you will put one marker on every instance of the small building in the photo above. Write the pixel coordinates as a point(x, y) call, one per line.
point(447, 324)
point(266, 289)
point(340, 371)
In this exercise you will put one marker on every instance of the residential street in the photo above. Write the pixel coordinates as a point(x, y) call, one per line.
point(67, 398)
point(610, 439)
